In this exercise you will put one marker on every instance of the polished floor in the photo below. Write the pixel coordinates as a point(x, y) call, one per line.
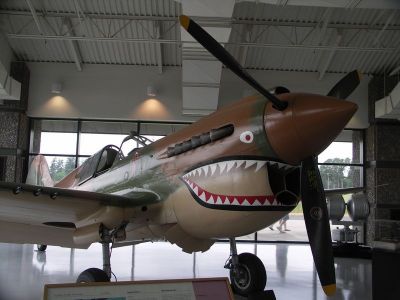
point(290, 270)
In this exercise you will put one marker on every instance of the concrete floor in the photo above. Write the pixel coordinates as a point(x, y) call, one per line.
point(290, 270)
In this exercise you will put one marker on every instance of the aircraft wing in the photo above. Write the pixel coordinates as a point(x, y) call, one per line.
point(46, 215)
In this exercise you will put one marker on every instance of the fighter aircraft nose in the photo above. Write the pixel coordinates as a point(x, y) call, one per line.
point(307, 126)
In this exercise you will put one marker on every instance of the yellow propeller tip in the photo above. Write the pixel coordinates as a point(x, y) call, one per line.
point(329, 289)
point(185, 20)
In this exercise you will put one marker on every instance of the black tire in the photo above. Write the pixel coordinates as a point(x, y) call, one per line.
point(250, 277)
point(41, 248)
point(93, 275)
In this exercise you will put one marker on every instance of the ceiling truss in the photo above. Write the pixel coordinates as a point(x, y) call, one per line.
point(81, 24)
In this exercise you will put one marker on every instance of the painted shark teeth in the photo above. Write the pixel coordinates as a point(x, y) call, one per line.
point(211, 198)
point(224, 167)
point(260, 164)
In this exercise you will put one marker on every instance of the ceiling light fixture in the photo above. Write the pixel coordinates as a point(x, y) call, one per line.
point(151, 91)
point(56, 87)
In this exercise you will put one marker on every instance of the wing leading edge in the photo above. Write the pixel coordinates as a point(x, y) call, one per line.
point(53, 216)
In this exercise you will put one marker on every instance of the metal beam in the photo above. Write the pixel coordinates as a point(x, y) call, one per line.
point(330, 54)
point(178, 42)
point(205, 21)
point(282, 2)
point(73, 45)
point(245, 49)
point(379, 35)
point(159, 47)
point(35, 16)
point(324, 26)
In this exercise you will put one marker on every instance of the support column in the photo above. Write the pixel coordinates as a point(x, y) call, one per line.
point(357, 139)
point(383, 167)
point(14, 128)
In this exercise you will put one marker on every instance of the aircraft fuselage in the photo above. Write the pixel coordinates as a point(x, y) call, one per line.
point(231, 173)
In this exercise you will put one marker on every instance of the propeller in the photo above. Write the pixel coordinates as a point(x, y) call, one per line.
point(312, 191)
point(215, 48)
point(317, 223)
point(344, 87)
point(314, 201)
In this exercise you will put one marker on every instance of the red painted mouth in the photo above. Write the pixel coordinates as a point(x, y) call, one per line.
point(196, 179)
point(219, 199)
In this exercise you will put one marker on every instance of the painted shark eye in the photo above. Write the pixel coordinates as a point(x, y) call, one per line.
point(246, 137)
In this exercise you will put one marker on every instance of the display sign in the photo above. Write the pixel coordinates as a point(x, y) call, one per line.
point(175, 289)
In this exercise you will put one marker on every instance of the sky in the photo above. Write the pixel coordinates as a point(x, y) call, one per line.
point(337, 150)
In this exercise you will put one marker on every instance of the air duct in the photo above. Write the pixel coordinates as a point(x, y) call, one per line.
point(10, 89)
point(389, 106)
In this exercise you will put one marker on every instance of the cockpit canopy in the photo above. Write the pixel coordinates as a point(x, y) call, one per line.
point(132, 142)
point(104, 159)
point(97, 164)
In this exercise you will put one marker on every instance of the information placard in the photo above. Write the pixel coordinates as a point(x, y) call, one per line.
point(174, 289)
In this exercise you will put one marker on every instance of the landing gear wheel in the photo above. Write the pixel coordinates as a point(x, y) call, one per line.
point(249, 275)
point(93, 275)
point(41, 248)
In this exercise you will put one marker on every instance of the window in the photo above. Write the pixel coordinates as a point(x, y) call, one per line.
point(341, 166)
point(94, 135)
point(57, 141)
point(66, 144)
point(59, 166)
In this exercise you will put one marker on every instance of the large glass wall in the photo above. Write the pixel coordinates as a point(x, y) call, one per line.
point(341, 166)
point(68, 143)
point(57, 141)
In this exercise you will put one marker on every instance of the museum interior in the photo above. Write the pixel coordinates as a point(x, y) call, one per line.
point(165, 145)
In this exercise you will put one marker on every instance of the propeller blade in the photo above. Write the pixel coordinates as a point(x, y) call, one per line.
point(317, 223)
point(208, 42)
point(346, 85)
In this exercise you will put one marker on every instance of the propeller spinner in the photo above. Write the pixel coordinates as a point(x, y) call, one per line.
point(312, 192)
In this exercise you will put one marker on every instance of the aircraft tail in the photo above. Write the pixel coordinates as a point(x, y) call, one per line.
point(39, 173)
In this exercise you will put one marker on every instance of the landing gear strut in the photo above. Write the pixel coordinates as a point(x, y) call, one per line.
point(95, 274)
point(247, 272)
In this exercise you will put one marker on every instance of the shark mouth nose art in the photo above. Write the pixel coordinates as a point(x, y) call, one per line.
point(243, 184)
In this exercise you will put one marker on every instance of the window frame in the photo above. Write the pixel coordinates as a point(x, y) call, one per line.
point(360, 164)
point(78, 132)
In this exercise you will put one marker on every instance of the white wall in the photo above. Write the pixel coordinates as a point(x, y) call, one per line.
point(105, 92)
point(119, 92)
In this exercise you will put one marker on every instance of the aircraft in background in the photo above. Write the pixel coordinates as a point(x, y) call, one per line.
point(232, 173)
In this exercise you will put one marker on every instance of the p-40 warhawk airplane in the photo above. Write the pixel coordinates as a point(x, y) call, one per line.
point(232, 173)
